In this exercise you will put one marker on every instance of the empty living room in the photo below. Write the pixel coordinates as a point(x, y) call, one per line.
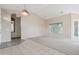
point(39, 29)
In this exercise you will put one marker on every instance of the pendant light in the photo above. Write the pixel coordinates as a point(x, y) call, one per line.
point(24, 12)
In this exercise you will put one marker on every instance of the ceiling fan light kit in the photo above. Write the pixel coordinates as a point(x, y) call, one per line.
point(24, 12)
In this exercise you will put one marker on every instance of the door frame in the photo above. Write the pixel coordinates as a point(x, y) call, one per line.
point(72, 29)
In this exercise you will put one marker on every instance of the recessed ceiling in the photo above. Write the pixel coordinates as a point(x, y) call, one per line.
point(45, 10)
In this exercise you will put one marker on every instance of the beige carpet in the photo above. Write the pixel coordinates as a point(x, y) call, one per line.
point(62, 44)
point(29, 48)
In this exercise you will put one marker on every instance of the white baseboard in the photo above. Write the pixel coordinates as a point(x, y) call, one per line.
point(32, 36)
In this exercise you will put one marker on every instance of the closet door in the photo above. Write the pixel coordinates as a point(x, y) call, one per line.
point(75, 29)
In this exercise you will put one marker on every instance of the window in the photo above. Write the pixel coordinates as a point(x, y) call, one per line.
point(12, 24)
point(56, 27)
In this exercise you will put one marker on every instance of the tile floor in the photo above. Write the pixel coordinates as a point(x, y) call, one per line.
point(26, 47)
point(14, 42)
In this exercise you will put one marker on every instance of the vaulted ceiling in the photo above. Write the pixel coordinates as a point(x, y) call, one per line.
point(45, 10)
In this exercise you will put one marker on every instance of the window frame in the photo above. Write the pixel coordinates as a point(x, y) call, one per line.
point(55, 24)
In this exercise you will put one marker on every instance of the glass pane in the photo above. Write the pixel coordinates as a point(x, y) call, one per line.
point(76, 28)
point(57, 27)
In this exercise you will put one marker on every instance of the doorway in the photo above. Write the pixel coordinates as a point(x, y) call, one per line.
point(15, 27)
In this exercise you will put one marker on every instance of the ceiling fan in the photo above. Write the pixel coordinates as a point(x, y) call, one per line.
point(24, 12)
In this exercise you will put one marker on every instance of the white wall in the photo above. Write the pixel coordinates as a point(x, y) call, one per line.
point(17, 32)
point(5, 25)
point(32, 26)
point(66, 20)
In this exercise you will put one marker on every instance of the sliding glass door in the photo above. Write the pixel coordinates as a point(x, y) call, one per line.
point(75, 29)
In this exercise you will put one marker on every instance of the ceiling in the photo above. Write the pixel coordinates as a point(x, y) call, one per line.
point(45, 10)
